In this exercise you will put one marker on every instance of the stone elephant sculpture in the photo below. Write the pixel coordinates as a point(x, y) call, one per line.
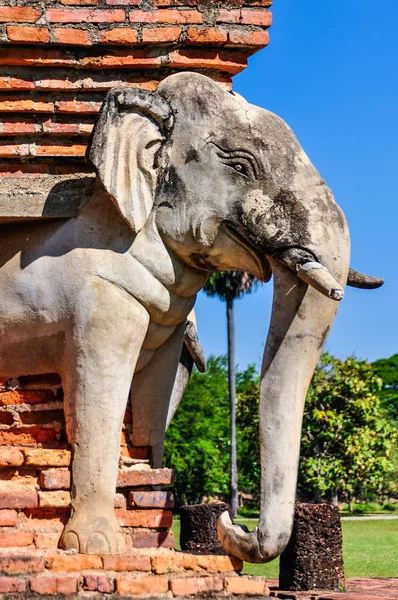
point(190, 179)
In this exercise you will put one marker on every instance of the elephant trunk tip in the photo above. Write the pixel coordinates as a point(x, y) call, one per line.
point(240, 542)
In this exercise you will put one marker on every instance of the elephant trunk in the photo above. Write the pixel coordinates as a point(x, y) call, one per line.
point(300, 322)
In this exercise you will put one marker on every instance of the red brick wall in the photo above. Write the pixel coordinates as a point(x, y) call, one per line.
point(58, 59)
point(35, 478)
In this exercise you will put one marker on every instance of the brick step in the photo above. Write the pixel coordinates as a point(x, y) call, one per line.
point(155, 572)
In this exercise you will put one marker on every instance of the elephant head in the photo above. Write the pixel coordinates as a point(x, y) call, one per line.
point(230, 188)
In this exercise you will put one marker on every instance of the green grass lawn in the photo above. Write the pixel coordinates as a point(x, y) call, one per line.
point(370, 549)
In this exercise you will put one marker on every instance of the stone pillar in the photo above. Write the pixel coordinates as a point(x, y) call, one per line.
point(313, 559)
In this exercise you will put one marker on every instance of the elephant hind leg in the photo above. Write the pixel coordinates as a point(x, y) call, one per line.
point(102, 354)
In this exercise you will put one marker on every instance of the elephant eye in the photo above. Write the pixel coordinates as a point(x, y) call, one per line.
point(241, 166)
point(240, 161)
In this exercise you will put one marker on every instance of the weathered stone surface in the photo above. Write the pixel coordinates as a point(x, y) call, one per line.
point(198, 527)
point(46, 196)
point(313, 559)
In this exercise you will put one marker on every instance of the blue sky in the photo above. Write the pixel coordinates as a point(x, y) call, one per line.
point(331, 71)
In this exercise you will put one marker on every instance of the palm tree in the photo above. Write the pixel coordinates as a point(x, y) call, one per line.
point(229, 285)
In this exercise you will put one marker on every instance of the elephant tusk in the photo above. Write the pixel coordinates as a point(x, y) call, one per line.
point(319, 278)
point(194, 347)
point(365, 282)
point(310, 271)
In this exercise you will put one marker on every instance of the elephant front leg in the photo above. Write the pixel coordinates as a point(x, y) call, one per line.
point(100, 362)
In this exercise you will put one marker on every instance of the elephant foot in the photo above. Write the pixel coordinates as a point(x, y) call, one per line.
point(91, 532)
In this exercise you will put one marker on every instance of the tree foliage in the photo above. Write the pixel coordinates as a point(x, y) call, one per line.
point(387, 370)
point(229, 285)
point(197, 441)
point(347, 441)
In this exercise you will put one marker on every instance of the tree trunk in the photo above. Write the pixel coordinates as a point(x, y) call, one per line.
point(232, 400)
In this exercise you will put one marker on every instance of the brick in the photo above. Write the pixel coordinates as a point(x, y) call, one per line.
point(55, 479)
point(42, 417)
point(149, 584)
point(183, 586)
point(47, 541)
point(7, 151)
point(71, 36)
point(58, 499)
point(47, 458)
point(54, 585)
point(245, 16)
point(152, 539)
point(127, 563)
point(170, 16)
point(119, 35)
point(28, 436)
point(248, 38)
point(199, 563)
point(30, 35)
point(9, 585)
point(15, 83)
point(45, 520)
point(66, 128)
point(73, 562)
point(57, 84)
point(18, 169)
point(17, 126)
point(106, 585)
point(151, 499)
point(15, 539)
point(123, 2)
point(84, 15)
point(137, 478)
point(67, 149)
point(246, 585)
point(79, 2)
point(22, 106)
point(21, 499)
point(119, 59)
point(205, 35)
point(100, 583)
point(207, 59)
point(78, 107)
point(145, 518)
point(8, 518)
point(21, 564)
point(139, 452)
point(22, 480)
point(22, 396)
point(161, 35)
point(6, 417)
point(10, 457)
point(18, 15)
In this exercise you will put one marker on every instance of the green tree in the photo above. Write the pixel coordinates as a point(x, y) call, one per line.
point(247, 418)
point(230, 285)
point(387, 370)
point(197, 441)
point(347, 442)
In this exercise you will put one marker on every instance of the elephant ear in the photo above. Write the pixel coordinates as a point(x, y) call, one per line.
point(132, 125)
